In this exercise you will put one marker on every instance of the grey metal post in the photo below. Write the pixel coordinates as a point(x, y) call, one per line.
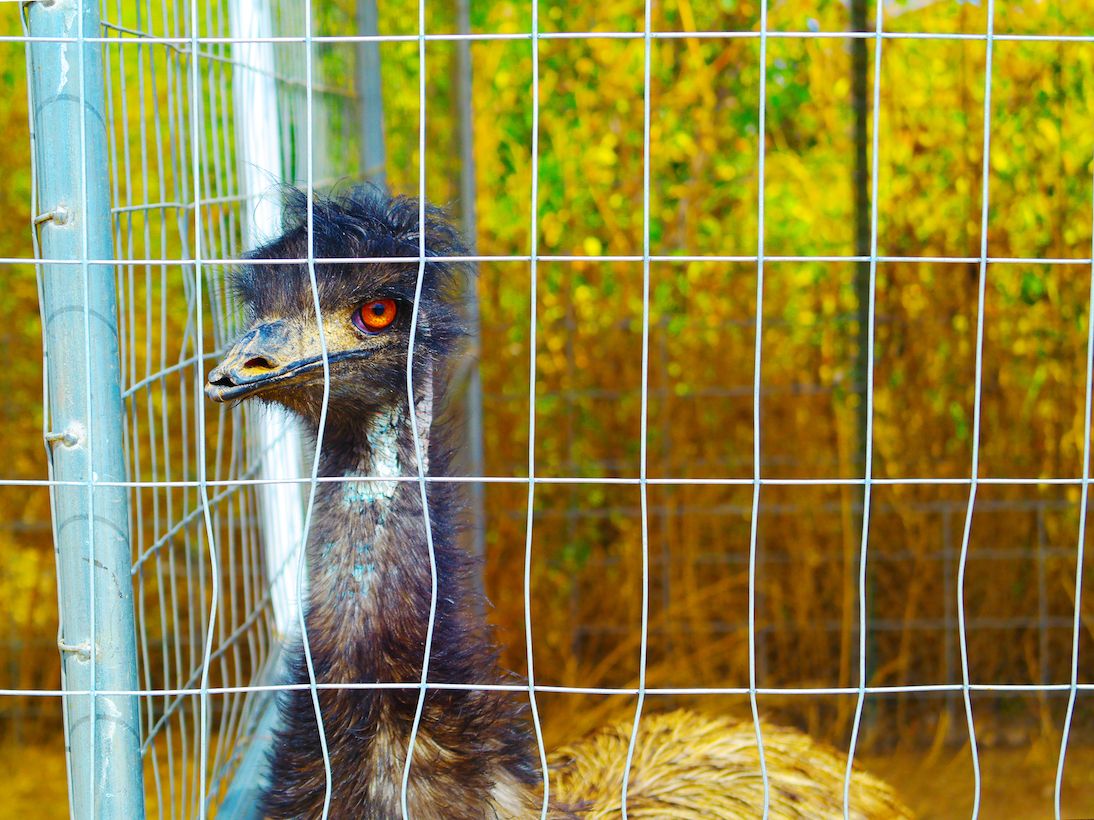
point(370, 90)
point(863, 195)
point(80, 335)
point(476, 457)
point(259, 157)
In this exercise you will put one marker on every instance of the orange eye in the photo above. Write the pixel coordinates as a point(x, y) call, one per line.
point(375, 316)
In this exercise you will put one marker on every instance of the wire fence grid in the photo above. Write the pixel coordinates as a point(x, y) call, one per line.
point(195, 151)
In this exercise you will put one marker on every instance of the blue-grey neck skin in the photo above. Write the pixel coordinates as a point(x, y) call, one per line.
point(368, 562)
point(79, 310)
point(342, 559)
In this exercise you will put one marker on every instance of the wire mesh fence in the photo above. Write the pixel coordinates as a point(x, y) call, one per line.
point(717, 422)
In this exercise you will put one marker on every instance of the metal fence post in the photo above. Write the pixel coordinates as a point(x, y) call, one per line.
point(371, 91)
point(277, 436)
point(476, 457)
point(80, 335)
point(259, 152)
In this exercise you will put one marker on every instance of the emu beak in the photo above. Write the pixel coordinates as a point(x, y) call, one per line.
point(265, 356)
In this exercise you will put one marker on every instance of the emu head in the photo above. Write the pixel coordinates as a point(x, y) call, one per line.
point(366, 308)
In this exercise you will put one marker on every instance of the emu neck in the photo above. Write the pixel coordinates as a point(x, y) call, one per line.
point(369, 602)
point(370, 583)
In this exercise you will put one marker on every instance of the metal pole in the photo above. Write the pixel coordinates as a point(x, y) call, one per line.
point(84, 412)
point(476, 458)
point(370, 91)
point(259, 157)
point(862, 193)
point(277, 437)
point(861, 181)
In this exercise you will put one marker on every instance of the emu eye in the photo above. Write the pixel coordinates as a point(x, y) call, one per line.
point(375, 316)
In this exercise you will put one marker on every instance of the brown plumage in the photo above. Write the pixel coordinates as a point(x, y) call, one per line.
point(369, 581)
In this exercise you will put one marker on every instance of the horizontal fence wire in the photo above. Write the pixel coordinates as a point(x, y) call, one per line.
point(604, 480)
point(379, 260)
point(925, 688)
point(317, 39)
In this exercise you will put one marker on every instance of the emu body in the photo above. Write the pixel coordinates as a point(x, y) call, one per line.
point(370, 582)
point(369, 575)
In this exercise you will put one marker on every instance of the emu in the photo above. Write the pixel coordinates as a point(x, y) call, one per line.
point(369, 579)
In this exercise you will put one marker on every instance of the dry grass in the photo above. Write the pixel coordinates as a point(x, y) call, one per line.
point(1015, 782)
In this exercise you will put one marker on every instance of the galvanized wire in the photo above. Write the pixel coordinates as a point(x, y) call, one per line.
point(780, 34)
point(309, 165)
point(533, 337)
point(1080, 550)
point(974, 472)
point(644, 418)
point(419, 460)
point(757, 380)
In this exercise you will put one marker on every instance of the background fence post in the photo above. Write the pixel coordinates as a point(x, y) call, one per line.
point(259, 161)
point(259, 153)
point(84, 411)
point(863, 196)
point(476, 458)
point(371, 93)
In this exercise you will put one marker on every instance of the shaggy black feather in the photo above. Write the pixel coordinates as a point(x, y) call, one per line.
point(369, 578)
point(360, 223)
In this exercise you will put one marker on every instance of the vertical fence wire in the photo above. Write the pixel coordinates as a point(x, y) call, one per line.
point(314, 481)
point(533, 270)
point(222, 235)
point(757, 381)
point(427, 649)
point(197, 126)
point(978, 389)
point(642, 487)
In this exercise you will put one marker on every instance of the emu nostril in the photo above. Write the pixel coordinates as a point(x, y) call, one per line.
point(223, 380)
point(259, 362)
